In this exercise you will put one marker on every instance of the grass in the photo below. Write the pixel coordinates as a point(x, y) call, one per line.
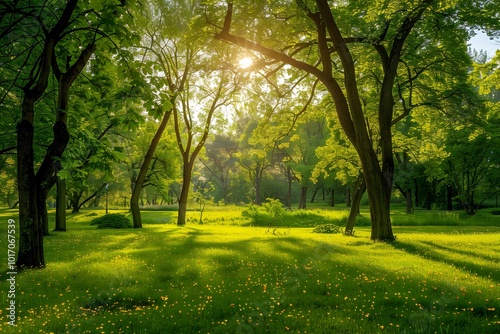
point(224, 276)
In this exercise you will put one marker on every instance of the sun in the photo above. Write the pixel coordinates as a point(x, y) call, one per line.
point(245, 62)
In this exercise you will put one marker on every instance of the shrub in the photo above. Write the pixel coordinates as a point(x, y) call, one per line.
point(268, 214)
point(113, 220)
point(328, 228)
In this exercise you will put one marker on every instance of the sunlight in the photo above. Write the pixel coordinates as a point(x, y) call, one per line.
point(245, 62)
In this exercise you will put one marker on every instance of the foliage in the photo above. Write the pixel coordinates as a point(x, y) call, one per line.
point(328, 228)
point(268, 213)
point(112, 220)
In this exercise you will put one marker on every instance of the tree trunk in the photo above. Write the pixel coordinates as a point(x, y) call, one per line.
point(449, 198)
point(75, 201)
point(409, 201)
point(359, 190)
point(377, 184)
point(314, 193)
point(41, 202)
point(332, 200)
point(303, 198)
point(348, 196)
point(225, 190)
point(258, 199)
point(30, 253)
point(46, 175)
point(289, 189)
point(139, 182)
point(417, 194)
point(183, 198)
point(61, 205)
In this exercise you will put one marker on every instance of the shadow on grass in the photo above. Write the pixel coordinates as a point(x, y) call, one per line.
point(444, 254)
point(165, 279)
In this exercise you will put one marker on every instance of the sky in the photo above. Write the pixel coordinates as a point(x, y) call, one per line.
point(482, 41)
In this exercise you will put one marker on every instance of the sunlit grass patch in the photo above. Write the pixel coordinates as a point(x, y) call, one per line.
point(222, 278)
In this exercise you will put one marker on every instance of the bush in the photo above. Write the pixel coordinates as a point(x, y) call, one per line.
point(113, 220)
point(269, 213)
point(328, 228)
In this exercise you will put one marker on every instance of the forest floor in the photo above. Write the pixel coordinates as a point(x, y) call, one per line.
point(224, 276)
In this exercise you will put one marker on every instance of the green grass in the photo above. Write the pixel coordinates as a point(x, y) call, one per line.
point(223, 277)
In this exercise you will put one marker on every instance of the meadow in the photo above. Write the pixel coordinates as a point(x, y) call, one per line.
point(233, 274)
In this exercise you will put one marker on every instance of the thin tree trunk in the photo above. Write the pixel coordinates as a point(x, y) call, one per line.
point(183, 198)
point(61, 201)
point(61, 134)
point(417, 194)
point(258, 199)
point(303, 198)
point(289, 189)
point(46, 176)
point(314, 194)
point(409, 201)
point(75, 201)
point(359, 190)
point(136, 191)
point(449, 198)
point(332, 199)
point(96, 200)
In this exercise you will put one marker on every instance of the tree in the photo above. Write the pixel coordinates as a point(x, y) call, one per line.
point(58, 40)
point(156, 64)
point(185, 126)
point(153, 155)
point(376, 29)
point(473, 164)
point(220, 160)
point(338, 157)
point(474, 156)
point(300, 149)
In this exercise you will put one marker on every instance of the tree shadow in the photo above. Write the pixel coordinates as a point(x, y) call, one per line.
point(445, 254)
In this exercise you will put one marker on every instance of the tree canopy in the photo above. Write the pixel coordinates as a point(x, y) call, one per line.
point(239, 102)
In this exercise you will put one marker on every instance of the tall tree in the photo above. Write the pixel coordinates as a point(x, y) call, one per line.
point(45, 38)
point(338, 36)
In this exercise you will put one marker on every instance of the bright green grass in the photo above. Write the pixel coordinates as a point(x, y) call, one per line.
point(224, 278)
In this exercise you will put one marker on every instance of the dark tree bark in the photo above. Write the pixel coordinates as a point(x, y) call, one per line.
point(409, 201)
point(316, 191)
point(303, 198)
point(33, 189)
point(359, 190)
point(449, 198)
point(417, 193)
point(61, 136)
point(45, 177)
point(30, 253)
point(348, 196)
point(61, 205)
point(75, 201)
